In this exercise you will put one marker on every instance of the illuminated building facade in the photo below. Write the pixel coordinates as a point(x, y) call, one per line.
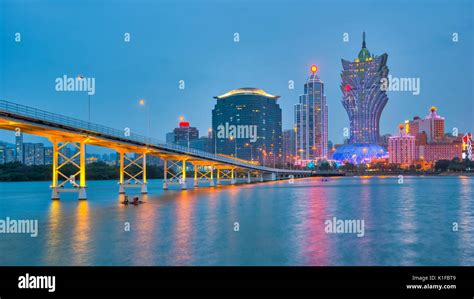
point(440, 151)
point(289, 146)
point(246, 123)
point(401, 149)
point(432, 125)
point(184, 134)
point(364, 97)
point(311, 120)
point(467, 147)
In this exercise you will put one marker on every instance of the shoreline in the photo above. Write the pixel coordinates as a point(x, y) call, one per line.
point(358, 175)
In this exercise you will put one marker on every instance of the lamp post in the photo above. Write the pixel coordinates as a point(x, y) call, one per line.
point(215, 140)
point(143, 103)
point(251, 150)
point(235, 145)
point(81, 77)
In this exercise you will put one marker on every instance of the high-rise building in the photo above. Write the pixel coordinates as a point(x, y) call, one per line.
point(364, 97)
point(401, 148)
point(184, 134)
point(247, 124)
point(48, 155)
point(19, 147)
point(289, 146)
point(432, 125)
point(363, 94)
point(9, 155)
point(203, 143)
point(311, 120)
point(2, 153)
point(170, 137)
point(29, 153)
point(39, 154)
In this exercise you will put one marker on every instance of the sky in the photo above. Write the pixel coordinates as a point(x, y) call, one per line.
point(194, 41)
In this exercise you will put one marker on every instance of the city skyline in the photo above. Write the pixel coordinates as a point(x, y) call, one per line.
point(231, 66)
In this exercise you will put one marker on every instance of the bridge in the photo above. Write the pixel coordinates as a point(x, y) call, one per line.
point(65, 131)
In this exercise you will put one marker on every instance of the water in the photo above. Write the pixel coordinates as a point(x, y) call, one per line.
point(279, 224)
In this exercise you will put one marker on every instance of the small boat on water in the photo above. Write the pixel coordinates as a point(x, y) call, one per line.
point(136, 201)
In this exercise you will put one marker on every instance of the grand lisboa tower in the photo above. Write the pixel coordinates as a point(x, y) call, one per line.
point(364, 99)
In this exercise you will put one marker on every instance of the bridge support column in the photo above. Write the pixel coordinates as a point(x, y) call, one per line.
point(144, 185)
point(77, 159)
point(130, 177)
point(82, 174)
point(183, 178)
point(165, 175)
point(121, 187)
point(261, 177)
point(249, 177)
point(232, 177)
point(174, 172)
point(203, 173)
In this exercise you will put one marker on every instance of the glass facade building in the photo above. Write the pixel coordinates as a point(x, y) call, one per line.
point(246, 123)
point(311, 121)
point(363, 95)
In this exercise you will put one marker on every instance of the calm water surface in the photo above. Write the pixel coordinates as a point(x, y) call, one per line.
point(280, 224)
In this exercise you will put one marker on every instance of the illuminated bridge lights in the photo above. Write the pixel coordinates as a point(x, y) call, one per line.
point(63, 130)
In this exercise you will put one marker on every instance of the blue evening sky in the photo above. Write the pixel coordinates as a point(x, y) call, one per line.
point(193, 41)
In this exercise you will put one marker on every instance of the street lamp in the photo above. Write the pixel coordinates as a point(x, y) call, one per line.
point(251, 150)
point(235, 144)
point(143, 103)
point(81, 77)
point(215, 139)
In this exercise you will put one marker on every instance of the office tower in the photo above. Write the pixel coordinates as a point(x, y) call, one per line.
point(311, 120)
point(289, 146)
point(247, 124)
point(19, 147)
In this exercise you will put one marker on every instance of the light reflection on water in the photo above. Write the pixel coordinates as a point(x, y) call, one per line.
point(279, 224)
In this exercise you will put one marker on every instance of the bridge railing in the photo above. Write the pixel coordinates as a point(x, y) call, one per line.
point(62, 120)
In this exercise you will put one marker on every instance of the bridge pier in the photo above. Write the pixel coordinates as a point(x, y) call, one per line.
point(58, 187)
point(203, 173)
point(224, 174)
point(126, 170)
point(174, 177)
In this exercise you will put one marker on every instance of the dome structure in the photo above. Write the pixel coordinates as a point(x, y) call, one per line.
point(359, 153)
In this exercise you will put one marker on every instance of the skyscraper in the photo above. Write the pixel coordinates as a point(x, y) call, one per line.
point(289, 146)
point(39, 154)
point(185, 134)
point(19, 147)
point(247, 124)
point(29, 153)
point(311, 120)
point(363, 94)
point(364, 97)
